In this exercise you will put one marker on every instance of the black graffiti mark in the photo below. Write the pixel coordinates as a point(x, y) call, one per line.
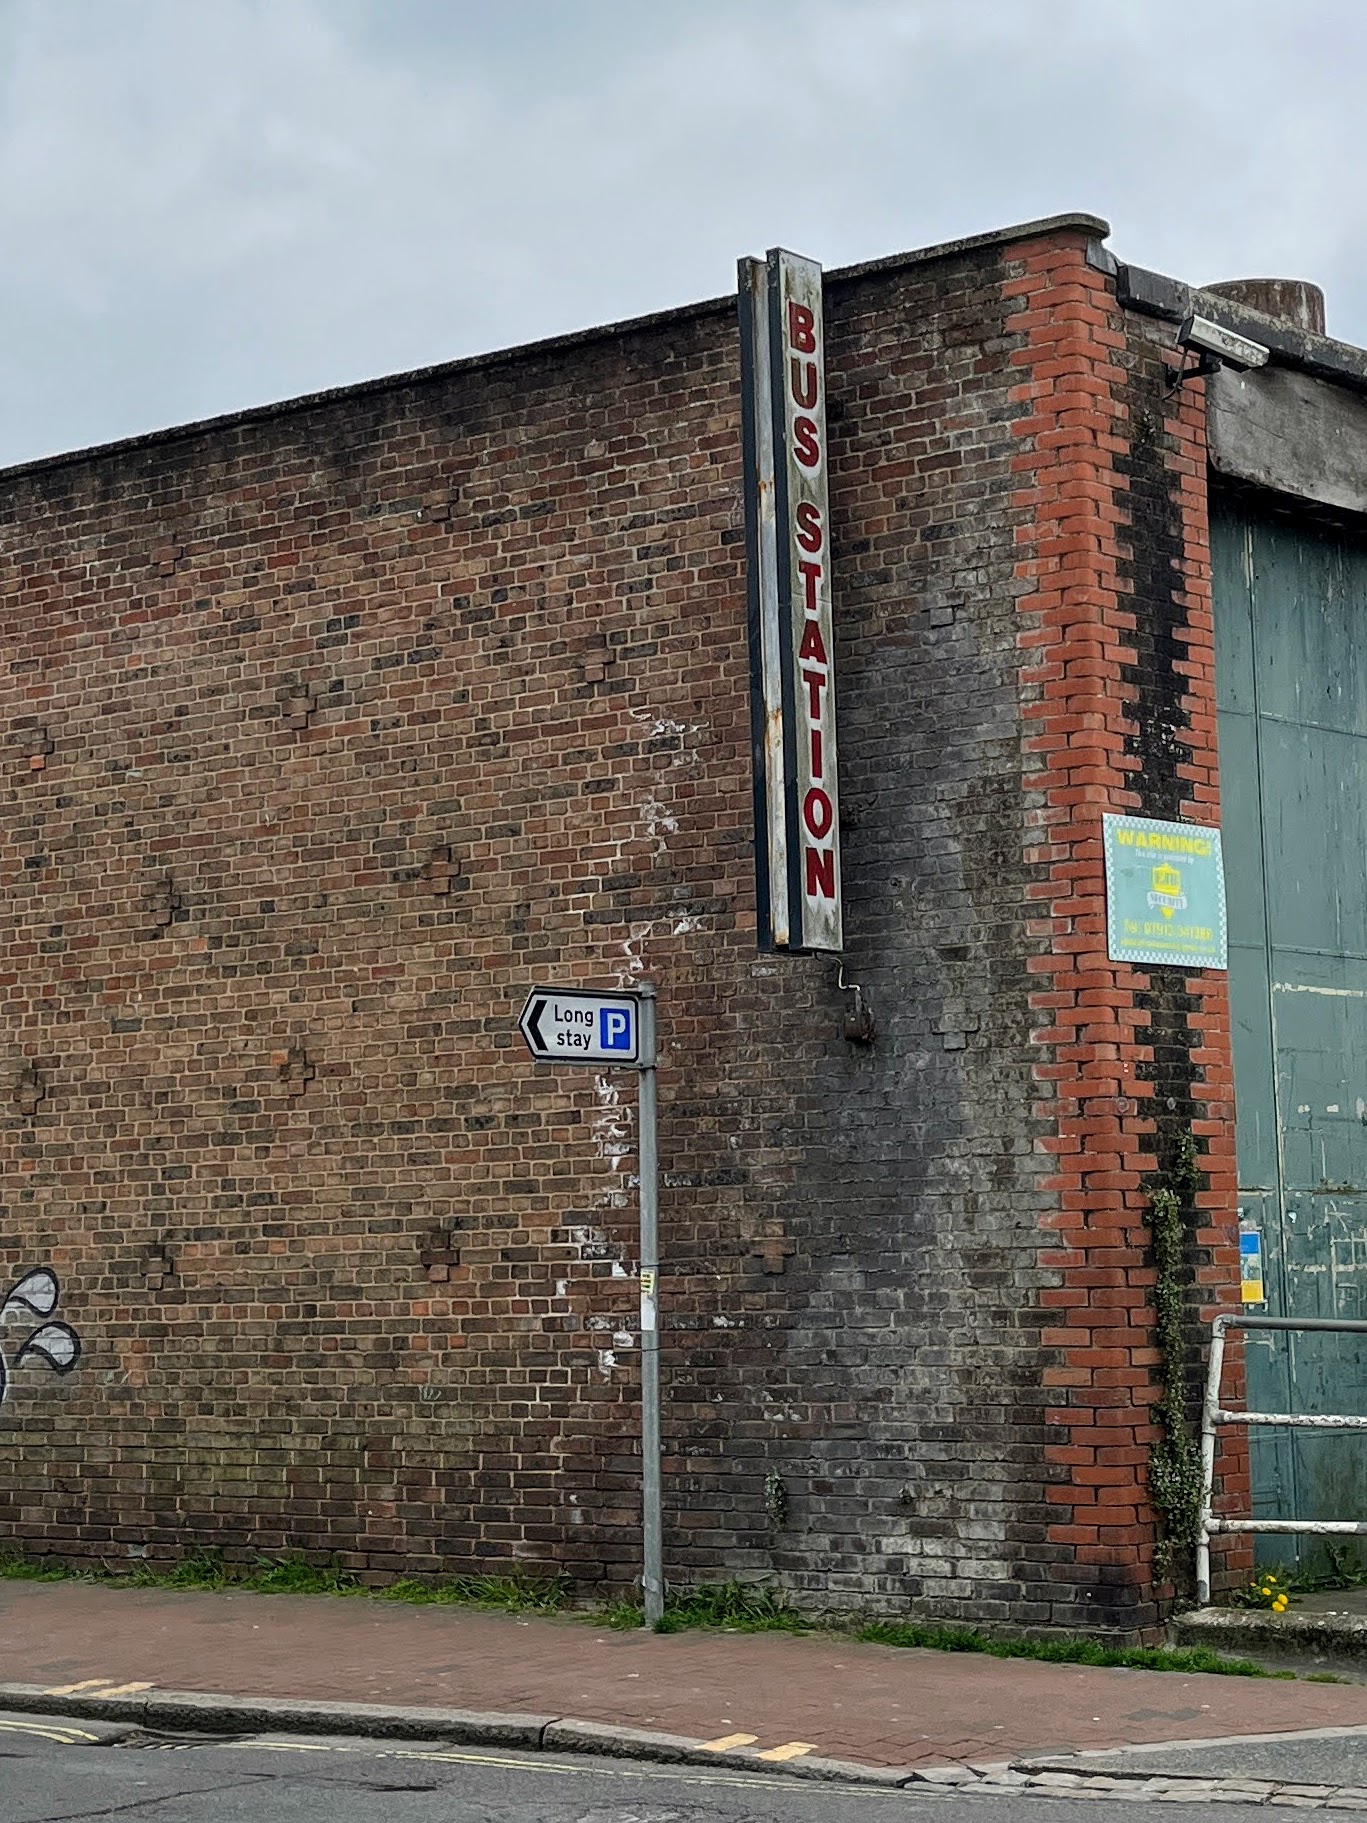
point(37, 1291)
point(57, 1343)
point(36, 1294)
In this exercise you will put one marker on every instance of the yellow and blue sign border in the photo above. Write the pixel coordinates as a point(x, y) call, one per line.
point(1165, 893)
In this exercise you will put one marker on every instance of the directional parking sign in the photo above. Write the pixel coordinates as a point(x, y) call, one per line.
point(570, 1025)
point(575, 1025)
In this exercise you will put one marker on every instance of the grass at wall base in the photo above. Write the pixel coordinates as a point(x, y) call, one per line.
point(733, 1607)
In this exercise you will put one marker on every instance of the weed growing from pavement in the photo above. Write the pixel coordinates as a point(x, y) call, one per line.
point(23, 1569)
point(506, 1594)
point(1063, 1651)
point(734, 1607)
point(755, 1608)
point(296, 1576)
point(269, 1576)
point(738, 1606)
point(1345, 1570)
point(197, 1570)
point(1266, 1591)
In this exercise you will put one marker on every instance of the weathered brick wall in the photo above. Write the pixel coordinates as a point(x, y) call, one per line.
point(1120, 701)
point(356, 719)
point(917, 1217)
point(400, 704)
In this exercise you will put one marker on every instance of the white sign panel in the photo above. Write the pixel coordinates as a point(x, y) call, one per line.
point(569, 1025)
point(792, 649)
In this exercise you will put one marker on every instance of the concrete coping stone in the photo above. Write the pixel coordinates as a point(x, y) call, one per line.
point(1249, 1627)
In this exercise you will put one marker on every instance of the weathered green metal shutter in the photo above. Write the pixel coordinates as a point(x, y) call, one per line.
point(1291, 674)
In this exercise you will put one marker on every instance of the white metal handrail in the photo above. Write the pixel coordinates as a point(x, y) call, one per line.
point(1212, 1413)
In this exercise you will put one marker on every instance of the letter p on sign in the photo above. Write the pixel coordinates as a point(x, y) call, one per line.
point(614, 1028)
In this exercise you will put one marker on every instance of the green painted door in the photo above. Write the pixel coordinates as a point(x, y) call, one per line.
point(1291, 674)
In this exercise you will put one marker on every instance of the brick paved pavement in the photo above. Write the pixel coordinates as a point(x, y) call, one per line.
point(876, 1704)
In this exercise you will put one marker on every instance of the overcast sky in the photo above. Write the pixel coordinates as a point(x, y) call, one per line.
point(206, 204)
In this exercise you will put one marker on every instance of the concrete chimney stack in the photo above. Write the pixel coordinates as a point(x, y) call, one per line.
point(1293, 301)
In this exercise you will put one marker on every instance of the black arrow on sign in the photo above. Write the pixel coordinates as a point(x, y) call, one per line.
point(533, 1026)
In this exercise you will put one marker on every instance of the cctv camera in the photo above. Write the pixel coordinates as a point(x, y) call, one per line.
point(1213, 342)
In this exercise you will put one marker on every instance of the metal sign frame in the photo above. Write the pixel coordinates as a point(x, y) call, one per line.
point(792, 645)
point(584, 1026)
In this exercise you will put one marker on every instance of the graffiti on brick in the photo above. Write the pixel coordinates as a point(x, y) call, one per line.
point(32, 1299)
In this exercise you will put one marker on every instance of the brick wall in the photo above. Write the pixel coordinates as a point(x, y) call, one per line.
point(334, 728)
point(1120, 701)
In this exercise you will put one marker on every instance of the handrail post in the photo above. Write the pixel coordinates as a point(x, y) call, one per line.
point(1212, 1414)
point(1210, 1404)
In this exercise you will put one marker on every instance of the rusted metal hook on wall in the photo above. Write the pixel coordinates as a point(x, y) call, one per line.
point(860, 1025)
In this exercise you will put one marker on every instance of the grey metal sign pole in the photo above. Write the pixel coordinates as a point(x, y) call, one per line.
point(652, 1580)
point(577, 1025)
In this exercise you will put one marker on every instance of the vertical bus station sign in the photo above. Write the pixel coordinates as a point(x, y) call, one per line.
point(792, 652)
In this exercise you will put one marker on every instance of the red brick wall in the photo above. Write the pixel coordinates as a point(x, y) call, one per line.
point(358, 718)
point(1128, 1061)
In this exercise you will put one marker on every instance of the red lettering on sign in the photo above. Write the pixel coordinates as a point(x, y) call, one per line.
point(806, 444)
point(801, 328)
point(813, 646)
point(817, 813)
point(816, 683)
point(821, 873)
point(811, 576)
point(804, 382)
point(816, 753)
point(809, 533)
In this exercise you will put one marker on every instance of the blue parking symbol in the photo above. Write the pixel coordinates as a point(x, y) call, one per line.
point(614, 1028)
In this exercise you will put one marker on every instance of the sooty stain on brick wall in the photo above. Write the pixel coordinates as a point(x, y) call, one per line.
point(1155, 572)
point(918, 1204)
point(1162, 747)
point(1159, 744)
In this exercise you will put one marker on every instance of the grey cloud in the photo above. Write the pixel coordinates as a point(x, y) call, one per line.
point(209, 206)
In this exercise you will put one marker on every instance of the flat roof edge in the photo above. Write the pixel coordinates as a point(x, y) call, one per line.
point(359, 389)
point(1076, 221)
point(1152, 294)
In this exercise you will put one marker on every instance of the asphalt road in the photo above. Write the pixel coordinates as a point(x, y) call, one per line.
point(1332, 1757)
point(57, 1771)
